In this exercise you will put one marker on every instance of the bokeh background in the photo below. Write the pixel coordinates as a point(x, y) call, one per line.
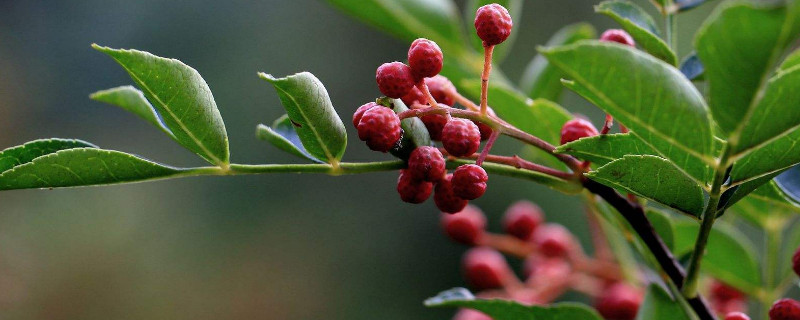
point(256, 247)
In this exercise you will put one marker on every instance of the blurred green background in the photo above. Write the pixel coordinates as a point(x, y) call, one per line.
point(256, 247)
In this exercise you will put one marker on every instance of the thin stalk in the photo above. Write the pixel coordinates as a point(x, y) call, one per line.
point(689, 288)
point(487, 147)
point(504, 128)
point(671, 24)
point(487, 70)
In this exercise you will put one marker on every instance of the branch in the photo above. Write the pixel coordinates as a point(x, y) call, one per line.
point(634, 214)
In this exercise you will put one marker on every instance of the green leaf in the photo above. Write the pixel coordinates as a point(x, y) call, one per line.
point(724, 243)
point(25, 153)
point(646, 95)
point(311, 112)
point(514, 8)
point(641, 27)
point(738, 44)
point(132, 100)
point(181, 97)
point(766, 204)
point(415, 134)
point(542, 80)
point(659, 305)
point(82, 167)
point(437, 20)
point(603, 149)
point(791, 60)
point(653, 178)
point(510, 310)
point(662, 223)
point(283, 136)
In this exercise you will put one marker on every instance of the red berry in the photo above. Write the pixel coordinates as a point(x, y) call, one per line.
point(440, 88)
point(736, 316)
point(619, 36)
point(619, 302)
point(427, 163)
point(553, 240)
point(522, 219)
point(412, 190)
point(425, 58)
point(785, 309)
point(380, 128)
point(469, 181)
point(796, 262)
point(485, 268)
point(724, 292)
point(360, 112)
point(394, 79)
point(444, 197)
point(414, 96)
point(435, 124)
point(466, 226)
point(576, 129)
point(461, 137)
point(469, 314)
point(493, 24)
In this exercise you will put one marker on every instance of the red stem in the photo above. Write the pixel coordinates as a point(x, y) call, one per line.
point(487, 147)
point(487, 70)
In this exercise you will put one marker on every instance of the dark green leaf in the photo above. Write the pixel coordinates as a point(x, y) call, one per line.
point(414, 132)
point(692, 67)
point(312, 114)
point(646, 95)
point(25, 153)
point(437, 20)
point(723, 243)
point(540, 79)
point(82, 167)
point(659, 305)
point(132, 100)
point(738, 44)
point(605, 148)
point(181, 97)
point(641, 27)
point(662, 222)
point(653, 178)
point(514, 8)
point(283, 136)
point(510, 310)
point(775, 115)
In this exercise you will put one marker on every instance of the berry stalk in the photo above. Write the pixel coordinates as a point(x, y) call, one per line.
point(487, 70)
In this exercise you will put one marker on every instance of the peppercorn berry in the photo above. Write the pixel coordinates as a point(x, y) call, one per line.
point(485, 268)
point(493, 24)
point(427, 163)
point(522, 219)
point(380, 128)
point(444, 197)
point(466, 227)
point(619, 36)
point(469, 181)
point(412, 190)
point(461, 137)
point(394, 79)
point(785, 309)
point(425, 58)
point(576, 129)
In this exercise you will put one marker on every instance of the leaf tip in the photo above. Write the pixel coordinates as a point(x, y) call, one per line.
point(455, 294)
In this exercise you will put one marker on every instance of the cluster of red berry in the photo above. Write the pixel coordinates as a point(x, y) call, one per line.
point(554, 262)
point(419, 85)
